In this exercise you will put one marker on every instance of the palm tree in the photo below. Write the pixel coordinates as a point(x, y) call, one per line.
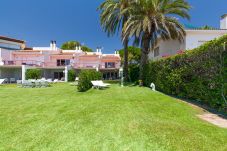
point(152, 20)
point(114, 14)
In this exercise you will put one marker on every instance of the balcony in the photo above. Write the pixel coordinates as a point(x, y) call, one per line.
point(86, 65)
point(60, 65)
point(23, 62)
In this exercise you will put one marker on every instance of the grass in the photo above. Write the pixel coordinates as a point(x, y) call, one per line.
point(116, 119)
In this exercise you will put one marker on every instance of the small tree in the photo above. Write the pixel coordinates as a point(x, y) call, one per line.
point(71, 75)
point(85, 78)
point(33, 74)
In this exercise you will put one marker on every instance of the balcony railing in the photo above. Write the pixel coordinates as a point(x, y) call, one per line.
point(23, 62)
point(92, 65)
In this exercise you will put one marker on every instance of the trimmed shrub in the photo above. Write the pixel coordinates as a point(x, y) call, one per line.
point(71, 75)
point(85, 78)
point(199, 74)
point(33, 74)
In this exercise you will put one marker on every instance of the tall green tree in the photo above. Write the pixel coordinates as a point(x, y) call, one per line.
point(71, 45)
point(86, 49)
point(151, 20)
point(114, 14)
point(134, 55)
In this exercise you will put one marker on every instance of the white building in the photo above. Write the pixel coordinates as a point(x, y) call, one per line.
point(194, 38)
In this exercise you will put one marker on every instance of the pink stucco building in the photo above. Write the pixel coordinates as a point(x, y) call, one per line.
point(52, 60)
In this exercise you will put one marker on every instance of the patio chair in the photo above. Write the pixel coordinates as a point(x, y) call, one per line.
point(6, 80)
point(19, 83)
point(27, 84)
point(44, 84)
point(31, 80)
point(62, 79)
point(103, 84)
point(49, 80)
point(99, 84)
point(38, 84)
point(55, 80)
point(12, 80)
point(95, 84)
point(2, 81)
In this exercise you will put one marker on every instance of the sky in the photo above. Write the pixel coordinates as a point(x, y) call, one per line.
point(40, 21)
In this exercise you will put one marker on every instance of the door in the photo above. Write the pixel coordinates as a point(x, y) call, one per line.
point(58, 75)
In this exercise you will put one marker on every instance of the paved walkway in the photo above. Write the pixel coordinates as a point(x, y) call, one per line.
point(214, 119)
point(210, 117)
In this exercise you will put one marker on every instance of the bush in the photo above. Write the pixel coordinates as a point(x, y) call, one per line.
point(134, 73)
point(199, 74)
point(85, 78)
point(33, 74)
point(71, 75)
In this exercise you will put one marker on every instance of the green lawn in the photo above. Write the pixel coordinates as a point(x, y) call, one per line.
point(117, 119)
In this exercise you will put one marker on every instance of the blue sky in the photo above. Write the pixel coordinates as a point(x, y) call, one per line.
point(39, 21)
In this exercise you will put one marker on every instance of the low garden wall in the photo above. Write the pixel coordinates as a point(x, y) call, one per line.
point(199, 74)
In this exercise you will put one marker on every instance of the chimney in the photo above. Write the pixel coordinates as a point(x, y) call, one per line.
point(223, 22)
point(97, 50)
point(51, 44)
point(54, 45)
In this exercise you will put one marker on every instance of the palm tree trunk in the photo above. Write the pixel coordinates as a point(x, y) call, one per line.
point(126, 60)
point(144, 57)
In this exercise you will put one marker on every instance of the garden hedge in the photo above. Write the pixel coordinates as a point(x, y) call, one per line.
point(85, 78)
point(199, 74)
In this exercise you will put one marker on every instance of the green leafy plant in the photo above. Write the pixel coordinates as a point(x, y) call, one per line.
point(33, 74)
point(85, 78)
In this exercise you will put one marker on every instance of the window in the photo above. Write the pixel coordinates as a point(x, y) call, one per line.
point(156, 52)
point(110, 65)
point(63, 62)
point(58, 75)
